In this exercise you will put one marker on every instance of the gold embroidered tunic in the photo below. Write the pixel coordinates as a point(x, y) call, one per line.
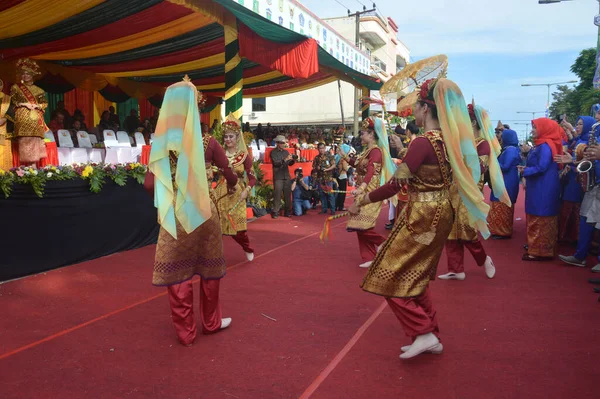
point(241, 164)
point(5, 144)
point(368, 170)
point(29, 123)
point(409, 257)
point(461, 230)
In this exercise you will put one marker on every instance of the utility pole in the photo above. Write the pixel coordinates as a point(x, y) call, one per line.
point(357, 15)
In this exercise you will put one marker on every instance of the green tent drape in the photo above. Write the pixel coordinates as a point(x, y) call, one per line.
point(53, 99)
point(124, 108)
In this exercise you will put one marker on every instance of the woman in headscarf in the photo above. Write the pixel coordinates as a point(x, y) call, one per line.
point(572, 193)
point(442, 157)
point(342, 179)
point(190, 240)
point(542, 196)
point(374, 166)
point(232, 208)
point(29, 102)
point(589, 216)
point(6, 120)
point(501, 216)
point(462, 234)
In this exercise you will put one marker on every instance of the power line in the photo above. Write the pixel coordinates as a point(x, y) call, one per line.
point(360, 2)
point(342, 5)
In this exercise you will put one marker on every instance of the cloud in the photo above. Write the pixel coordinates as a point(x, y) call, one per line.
point(483, 26)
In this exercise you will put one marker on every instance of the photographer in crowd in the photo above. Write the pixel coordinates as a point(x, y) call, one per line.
point(302, 192)
point(282, 182)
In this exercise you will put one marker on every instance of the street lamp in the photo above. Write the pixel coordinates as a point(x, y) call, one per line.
point(530, 112)
point(597, 23)
point(548, 85)
point(551, 1)
point(526, 129)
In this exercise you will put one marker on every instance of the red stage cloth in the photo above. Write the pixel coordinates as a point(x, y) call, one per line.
point(309, 155)
point(82, 100)
point(267, 170)
point(145, 157)
point(268, 153)
point(146, 109)
point(297, 60)
point(51, 159)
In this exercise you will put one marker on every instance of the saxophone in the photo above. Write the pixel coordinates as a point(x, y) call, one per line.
point(585, 169)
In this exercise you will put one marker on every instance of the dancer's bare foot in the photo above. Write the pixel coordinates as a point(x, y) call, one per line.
point(490, 269)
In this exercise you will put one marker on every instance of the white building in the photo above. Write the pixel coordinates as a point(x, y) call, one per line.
point(321, 105)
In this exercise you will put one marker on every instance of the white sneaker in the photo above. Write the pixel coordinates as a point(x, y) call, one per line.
point(453, 276)
point(423, 343)
point(249, 256)
point(571, 260)
point(437, 350)
point(226, 322)
point(490, 269)
point(366, 264)
point(596, 269)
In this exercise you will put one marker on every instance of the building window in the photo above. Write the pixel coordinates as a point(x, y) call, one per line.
point(259, 104)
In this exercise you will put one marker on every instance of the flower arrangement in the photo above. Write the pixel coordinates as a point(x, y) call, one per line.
point(96, 174)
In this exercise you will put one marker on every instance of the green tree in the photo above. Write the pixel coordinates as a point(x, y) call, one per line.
point(579, 100)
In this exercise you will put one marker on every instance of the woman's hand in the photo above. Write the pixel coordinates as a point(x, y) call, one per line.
point(231, 190)
point(396, 142)
point(520, 168)
point(2, 121)
point(354, 208)
point(564, 158)
point(592, 153)
point(358, 191)
point(244, 194)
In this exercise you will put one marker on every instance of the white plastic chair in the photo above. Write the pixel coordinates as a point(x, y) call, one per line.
point(123, 139)
point(49, 135)
point(110, 139)
point(83, 139)
point(64, 139)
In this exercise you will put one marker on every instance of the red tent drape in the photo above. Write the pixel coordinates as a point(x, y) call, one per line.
point(146, 109)
point(296, 60)
point(82, 100)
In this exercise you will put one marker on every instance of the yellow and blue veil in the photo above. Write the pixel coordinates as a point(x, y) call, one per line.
point(178, 129)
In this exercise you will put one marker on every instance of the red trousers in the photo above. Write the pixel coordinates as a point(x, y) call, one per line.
point(181, 298)
point(368, 241)
point(242, 238)
point(456, 254)
point(416, 314)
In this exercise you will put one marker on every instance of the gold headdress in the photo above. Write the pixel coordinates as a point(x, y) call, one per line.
point(368, 123)
point(232, 124)
point(27, 65)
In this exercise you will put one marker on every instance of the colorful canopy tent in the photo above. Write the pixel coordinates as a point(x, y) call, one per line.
point(136, 48)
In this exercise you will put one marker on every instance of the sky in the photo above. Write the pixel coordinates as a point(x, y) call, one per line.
point(493, 46)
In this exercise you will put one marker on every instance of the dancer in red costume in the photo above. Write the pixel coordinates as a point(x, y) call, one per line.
point(189, 241)
point(462, 234)
point(373, 166)
point(232, 208)
point(443, 157)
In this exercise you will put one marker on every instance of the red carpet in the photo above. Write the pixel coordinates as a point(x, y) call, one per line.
point(100, 330)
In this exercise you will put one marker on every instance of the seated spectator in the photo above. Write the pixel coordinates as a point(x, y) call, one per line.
point(78, 116)
point(132, 122)
point(60, 108)
point(56, 124)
